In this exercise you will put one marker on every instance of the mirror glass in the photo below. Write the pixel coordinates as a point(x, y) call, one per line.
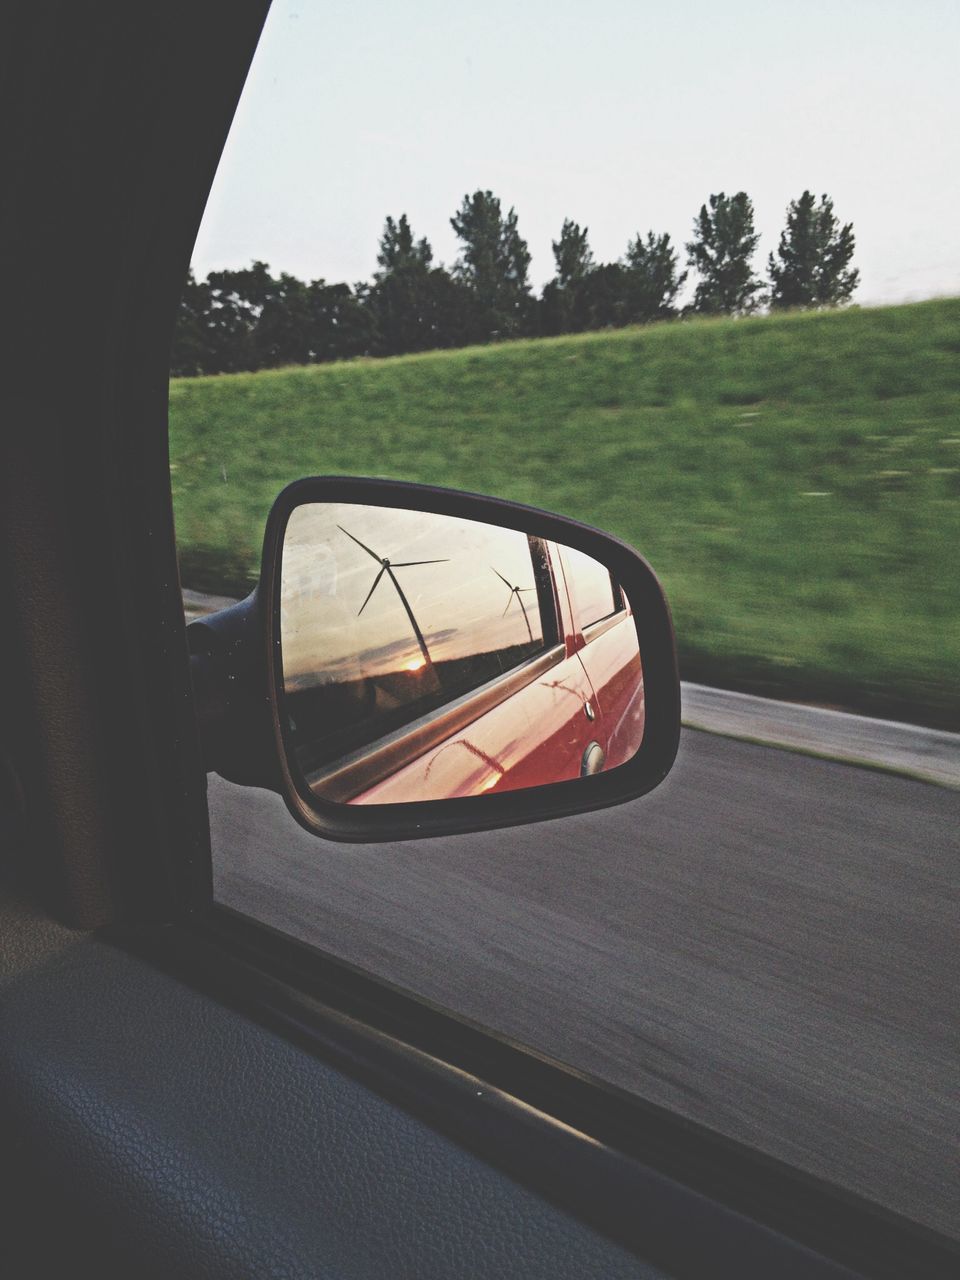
point(426, 657)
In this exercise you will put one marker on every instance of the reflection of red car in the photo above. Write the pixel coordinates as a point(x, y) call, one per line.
point(574, 708)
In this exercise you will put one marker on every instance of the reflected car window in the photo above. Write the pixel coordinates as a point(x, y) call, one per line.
point(595, 594)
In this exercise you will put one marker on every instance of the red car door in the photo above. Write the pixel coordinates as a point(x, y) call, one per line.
point(536, 725)
point(606, 645)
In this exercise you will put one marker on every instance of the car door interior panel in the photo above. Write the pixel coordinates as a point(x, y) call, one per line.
point(178, 1137)
point(140, 1109)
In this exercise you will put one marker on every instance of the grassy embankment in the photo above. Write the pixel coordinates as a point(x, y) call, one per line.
point(794, 480)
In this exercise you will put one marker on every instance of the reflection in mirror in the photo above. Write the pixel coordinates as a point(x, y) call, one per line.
point(427, 657)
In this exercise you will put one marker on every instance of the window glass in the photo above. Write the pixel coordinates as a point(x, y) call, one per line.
point(595, 594)
point(438, 253)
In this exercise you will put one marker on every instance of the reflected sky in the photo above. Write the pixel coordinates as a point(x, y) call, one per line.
point(462, 603)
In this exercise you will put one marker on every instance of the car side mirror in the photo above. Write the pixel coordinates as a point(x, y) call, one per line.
point(418, 661)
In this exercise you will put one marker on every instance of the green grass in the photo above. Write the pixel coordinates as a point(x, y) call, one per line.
point(794, 480)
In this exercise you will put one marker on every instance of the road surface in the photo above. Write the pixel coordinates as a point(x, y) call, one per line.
point(768, 943)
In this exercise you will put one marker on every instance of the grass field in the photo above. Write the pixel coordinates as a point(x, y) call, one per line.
point(794, 480)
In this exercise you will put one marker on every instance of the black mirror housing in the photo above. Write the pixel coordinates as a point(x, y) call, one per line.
point(418, 818)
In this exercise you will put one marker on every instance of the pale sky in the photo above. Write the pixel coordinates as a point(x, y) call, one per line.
point(620, 114)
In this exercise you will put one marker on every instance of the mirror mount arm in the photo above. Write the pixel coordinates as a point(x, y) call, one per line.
point(230, 694)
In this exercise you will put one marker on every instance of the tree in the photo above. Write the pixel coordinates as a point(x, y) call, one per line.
point(415, 306)
point(421, 311)
point(340, 323)
point(652, 282)
point(189, 351)
point(574, 262)
point(493, 263)
point(721, 252)
point(601, 298)
point(812, 263)
point(236, 300)
point(572, 254)
point(283, 332)
point(399, 251)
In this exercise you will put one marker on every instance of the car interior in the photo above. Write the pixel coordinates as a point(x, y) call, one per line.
point(185, 1092)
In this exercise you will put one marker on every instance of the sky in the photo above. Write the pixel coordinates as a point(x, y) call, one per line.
point(620, 114)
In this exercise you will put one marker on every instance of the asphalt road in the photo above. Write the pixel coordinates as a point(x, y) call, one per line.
point(769, 944)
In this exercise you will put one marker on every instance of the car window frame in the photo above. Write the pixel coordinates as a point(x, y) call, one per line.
point(589, 629)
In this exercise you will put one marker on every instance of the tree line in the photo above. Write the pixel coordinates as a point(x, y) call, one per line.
point(248, 319)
